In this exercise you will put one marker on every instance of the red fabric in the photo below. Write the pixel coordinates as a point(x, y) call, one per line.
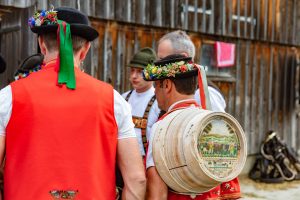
point(225, 53)
point(213, 194)
point(231, 189)
point(60, 139)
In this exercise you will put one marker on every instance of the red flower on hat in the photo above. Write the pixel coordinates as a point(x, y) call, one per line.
point(183, 68)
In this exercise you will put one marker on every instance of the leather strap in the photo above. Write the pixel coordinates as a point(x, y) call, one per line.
point(141, 122)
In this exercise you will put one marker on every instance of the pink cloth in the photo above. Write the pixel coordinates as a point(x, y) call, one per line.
point(225, 53)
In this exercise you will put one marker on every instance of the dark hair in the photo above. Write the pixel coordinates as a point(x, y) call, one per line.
point(186, 85)
point(51, 42)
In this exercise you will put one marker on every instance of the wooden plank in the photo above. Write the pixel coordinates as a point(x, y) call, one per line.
point(284, 96)
point(273, 20)
point(292, 132)
point(238, 80)
point(246, 17)
point(270, 99)
point(231, 100)
point(172, 13)
point(247, 99)
point(223, 11)
point(252, 26)
point(265, 33)
point(229, 3)
point(86, 6)
point(294, 24)
point(238, 27)
point(261, 105)
point(258, 20)
point(185, 15)
point(203, 23)
point(129, 11)
point(158, 13)
point(253, 124)
point(195, 25)
point(120, 61)
point(286, 19)
point(277, 90)
point(141, 12)
point(107, 55)
point(211, 28)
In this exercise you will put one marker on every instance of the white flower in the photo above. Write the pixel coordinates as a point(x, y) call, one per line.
point(37, 22)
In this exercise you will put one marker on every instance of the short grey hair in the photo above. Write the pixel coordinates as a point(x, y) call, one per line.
point(180, 42)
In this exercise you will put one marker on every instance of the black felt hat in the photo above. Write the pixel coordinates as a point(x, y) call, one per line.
point(2, 64)
point(175, 66)
point(79, 24)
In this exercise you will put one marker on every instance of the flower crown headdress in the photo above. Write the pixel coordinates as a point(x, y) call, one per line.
point(169, 70)
point(43, 18)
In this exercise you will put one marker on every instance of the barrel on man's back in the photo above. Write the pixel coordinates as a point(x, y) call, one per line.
point(195, 150)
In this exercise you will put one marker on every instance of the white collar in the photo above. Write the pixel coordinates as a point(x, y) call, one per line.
point(177, 102)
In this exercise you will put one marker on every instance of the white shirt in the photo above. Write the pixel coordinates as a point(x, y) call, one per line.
point(149, 159)
point(121, 110)
point(216, 99)
point(138, 103)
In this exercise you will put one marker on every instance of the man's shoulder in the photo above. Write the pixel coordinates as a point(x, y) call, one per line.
point(91, 80)
point(125, 94)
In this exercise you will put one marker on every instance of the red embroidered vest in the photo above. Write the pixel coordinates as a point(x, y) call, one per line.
point(60, 143)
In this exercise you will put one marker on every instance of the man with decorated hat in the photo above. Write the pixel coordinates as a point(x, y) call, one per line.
point(178, 42)
point(61, 138)
point(175, 79)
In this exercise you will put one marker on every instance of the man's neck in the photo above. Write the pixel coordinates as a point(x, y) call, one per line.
point(178, 97)
point(53, 55)
point(144, 89)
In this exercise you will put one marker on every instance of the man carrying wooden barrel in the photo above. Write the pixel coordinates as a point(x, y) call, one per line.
point(179, 42)
point(174, 89)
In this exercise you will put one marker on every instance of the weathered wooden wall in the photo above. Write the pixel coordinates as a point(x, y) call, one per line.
point(261, 90)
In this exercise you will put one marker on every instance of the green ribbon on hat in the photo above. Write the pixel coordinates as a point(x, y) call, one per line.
point(66, 74)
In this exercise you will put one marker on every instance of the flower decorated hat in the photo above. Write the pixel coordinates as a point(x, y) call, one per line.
point(64, 22)
point(175, 66)
point(48, 21)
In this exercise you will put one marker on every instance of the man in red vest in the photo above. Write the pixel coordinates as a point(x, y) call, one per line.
point(62, 130)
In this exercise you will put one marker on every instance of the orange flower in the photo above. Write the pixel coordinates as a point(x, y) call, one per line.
point(183, 68)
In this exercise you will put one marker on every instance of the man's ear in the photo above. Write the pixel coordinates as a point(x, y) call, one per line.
point(42, 45)
point(168, 85)
point(84, 50)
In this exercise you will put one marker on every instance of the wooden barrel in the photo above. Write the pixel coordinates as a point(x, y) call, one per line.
point(195, 150)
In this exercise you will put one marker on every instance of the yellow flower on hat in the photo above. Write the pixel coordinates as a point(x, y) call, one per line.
point(154, 70)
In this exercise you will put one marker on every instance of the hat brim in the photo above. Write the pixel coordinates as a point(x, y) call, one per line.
point(136, 66)
point(81, 30)
point(177, 76)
